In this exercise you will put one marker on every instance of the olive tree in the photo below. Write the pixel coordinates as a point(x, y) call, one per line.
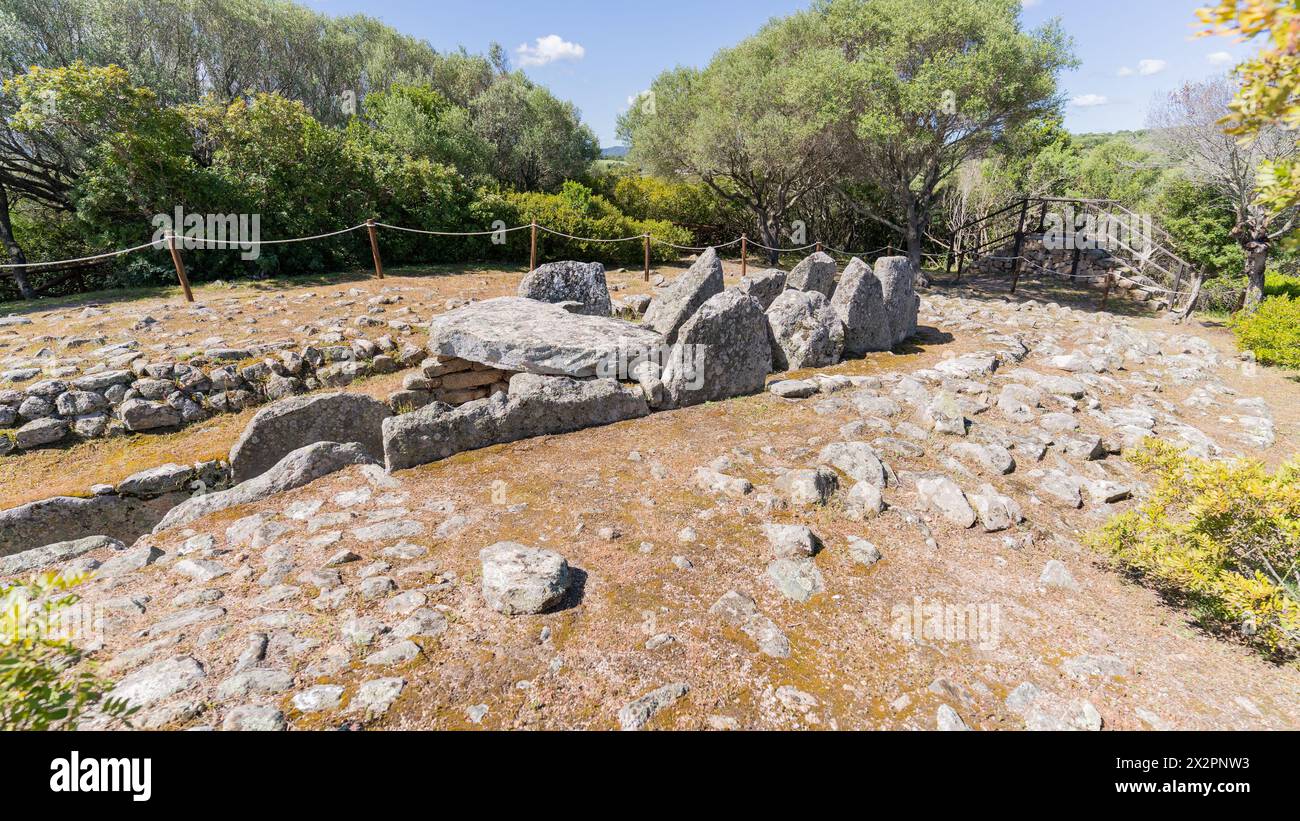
point(763, 125)
point(936, 84)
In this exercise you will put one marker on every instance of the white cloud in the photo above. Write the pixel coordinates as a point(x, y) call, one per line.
point(1124, 71)
point(1219, 58)
point(548, 49)
point(1089, 100)
point(1029, 4)
point(1148, 67)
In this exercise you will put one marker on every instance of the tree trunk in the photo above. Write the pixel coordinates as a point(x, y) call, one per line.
point(1192, 300)
point(916, 224)
point(1256, 264)
point(769, 228)
point(16, 255)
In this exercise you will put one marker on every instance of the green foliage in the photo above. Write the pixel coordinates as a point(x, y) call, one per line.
point(1272, 331)
point(417, 121)
point(1116, 170)
point(1225, 536)
point(269, 156)
point(578, 212)
point(241, 107)
point(41, 685)
point(1200, 225)
point(537, 140)
point(1282, 285)
point(688, 204)
point(764, 125)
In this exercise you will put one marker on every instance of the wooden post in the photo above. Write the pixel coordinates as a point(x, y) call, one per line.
point(180, 267)
point(1020, 244)
point(947, 262)
point(1074, 261)
point(961, 256)
point(1105, 296)
point(744, 254)
point(532, 253)
point(647, 258)
point(819, 247)
point(374, 248)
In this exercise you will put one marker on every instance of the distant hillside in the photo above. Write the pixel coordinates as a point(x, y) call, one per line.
point(614, 152)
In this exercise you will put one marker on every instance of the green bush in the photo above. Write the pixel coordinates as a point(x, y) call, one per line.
point(1282, 285)
point(1223, 536)
point(41, 685)
point(578, 212)
point(1272, 331)
point(1221, 296)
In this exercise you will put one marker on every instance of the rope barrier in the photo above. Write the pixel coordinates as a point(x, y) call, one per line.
point(79, 259)
point(453, 233)
point(658, 241)
point(782, 250)
point(161, 245)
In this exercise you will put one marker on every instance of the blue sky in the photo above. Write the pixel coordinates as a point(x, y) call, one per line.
point(598, 54)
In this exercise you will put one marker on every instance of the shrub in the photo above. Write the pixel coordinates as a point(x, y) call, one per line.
point(1282, 285)
point(1221, 296)
point(1272, 331)
point(40, 687)
point(1224, 536)
point(578, 212)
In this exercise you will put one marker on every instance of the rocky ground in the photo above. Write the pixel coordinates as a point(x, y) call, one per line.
point(688, 598)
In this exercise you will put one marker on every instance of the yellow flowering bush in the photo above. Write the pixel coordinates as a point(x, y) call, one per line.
point(1223, 536)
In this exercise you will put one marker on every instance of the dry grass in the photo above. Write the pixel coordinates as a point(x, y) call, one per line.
point(71, 470)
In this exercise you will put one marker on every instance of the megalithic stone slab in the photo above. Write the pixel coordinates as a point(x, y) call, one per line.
point(815, 273)
point(581, 282)
point(279, 429)
point(897, 277)
point(679, 301)
point(528, 336)
point(859, 302)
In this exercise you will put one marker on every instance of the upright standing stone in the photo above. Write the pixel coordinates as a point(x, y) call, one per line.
point(815, 273)
point(722, 351)
point(897, 277)
point(765, 286)
point(279, 429)
point(806, 333)
point(859, 302)
point(679, 302)
point(582, 282)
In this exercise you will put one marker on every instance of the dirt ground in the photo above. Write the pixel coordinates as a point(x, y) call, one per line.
point(652, 553)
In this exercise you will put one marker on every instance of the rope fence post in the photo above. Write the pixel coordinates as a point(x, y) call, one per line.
point(1020, 244)
point(744, 254)
point(374, 248)
point(646, 277)
point(819, 247)
point(532, 252)
point(1105, 295)
point(180, 267)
